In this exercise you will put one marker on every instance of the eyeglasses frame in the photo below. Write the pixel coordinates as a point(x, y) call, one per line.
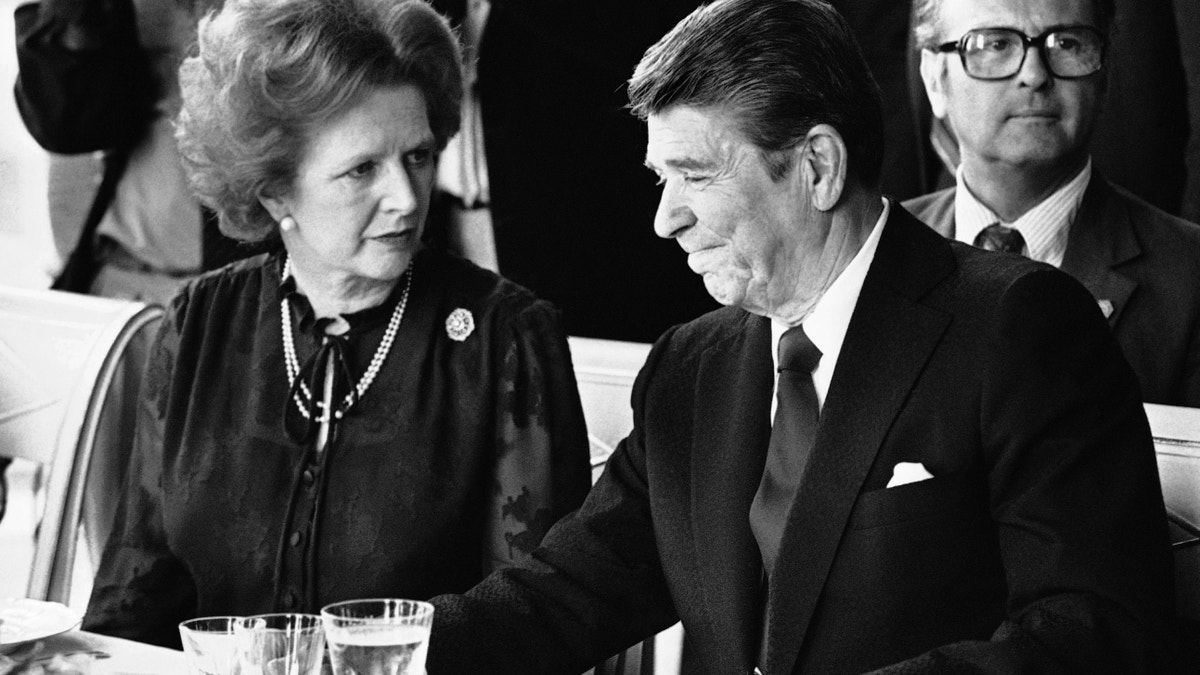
point(959, 46)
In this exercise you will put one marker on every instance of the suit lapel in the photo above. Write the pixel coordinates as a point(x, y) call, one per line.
point(732, 428)
point(1102, 238)
point(889, 340)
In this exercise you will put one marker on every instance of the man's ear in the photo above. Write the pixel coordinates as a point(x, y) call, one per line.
point(933, 73)
point(823, 166)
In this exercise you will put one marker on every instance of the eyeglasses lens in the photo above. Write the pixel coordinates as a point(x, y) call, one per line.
point(997, 53)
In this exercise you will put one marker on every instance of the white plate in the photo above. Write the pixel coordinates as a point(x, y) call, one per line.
point(28, 620)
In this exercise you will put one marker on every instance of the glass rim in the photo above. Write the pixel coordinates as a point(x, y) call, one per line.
point(421, 609)
point(231, 619)
point(298, 621)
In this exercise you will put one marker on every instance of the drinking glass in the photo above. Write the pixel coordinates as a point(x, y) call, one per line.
point(378, 637)
point(210, 645)
point(280, 644)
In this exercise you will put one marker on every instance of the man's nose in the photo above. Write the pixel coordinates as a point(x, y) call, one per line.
point(673, 216)
point(1034, 72)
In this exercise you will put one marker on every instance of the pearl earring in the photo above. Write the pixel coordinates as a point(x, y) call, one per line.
point(287, 223)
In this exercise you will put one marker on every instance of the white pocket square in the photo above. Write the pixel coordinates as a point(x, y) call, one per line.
point(908, 472)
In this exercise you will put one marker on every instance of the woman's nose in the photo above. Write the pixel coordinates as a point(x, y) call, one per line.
point(398, 191)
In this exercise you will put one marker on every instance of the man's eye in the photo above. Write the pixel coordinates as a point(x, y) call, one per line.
point(362, 170)
point(1067, 44)
point(990, 42)
point(998, 44)
point(694, 179)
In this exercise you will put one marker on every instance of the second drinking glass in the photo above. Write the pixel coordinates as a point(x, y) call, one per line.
point(280, 644)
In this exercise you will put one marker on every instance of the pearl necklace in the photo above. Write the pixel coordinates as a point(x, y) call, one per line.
point(359, 390)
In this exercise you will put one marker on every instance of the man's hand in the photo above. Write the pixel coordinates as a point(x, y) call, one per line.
point(86, 24)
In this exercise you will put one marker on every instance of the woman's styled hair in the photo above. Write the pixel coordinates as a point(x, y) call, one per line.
point(780, 66)
point(269, 72)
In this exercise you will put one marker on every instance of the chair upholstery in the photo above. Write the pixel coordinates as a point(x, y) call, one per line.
point(59, 356)
point(605, 371)
point(1176, 434)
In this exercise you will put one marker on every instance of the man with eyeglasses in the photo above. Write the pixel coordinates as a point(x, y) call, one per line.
point(1020, 84)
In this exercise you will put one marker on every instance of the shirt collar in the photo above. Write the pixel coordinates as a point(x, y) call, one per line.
point(1044, 227)
point(826, 325)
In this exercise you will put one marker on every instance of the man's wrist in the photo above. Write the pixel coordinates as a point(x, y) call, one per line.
point(80, 26)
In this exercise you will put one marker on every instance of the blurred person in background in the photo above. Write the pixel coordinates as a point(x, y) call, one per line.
point(101, 76)
point(97, 87)
point(354, 415)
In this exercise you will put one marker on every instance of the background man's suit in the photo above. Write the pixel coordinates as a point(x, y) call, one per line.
point(1144, 262)
point(997, 373)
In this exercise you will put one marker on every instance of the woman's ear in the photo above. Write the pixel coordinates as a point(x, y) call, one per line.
point(823, 157)
point(274, 206)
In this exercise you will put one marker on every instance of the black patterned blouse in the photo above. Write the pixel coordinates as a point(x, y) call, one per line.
point(467, 446)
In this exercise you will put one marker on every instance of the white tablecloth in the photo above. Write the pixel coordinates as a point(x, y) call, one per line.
point(117, 657)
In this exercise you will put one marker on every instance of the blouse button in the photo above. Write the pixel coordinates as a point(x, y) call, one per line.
point(308, 476)
point(296, 538)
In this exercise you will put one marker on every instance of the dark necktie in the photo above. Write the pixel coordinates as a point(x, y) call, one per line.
point(792, 437)
point(997, 237)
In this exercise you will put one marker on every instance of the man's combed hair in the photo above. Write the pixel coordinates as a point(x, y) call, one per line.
point(779, 66)
point(928, 34)
point(270, 72)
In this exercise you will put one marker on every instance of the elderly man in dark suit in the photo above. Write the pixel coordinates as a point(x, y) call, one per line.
point(950, 471)
point(1023, 113)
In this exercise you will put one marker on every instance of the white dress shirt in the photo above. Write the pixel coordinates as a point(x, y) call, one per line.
point(1045, 227)
point(826, 325)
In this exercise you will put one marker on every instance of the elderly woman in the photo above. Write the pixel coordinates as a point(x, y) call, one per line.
point(355, 415)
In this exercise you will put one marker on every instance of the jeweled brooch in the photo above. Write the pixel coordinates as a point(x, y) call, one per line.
point(460, 324)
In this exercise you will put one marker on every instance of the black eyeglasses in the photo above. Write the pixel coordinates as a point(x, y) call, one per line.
point(999, 53)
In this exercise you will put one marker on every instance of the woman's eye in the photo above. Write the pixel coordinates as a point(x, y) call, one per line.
point(419, 157)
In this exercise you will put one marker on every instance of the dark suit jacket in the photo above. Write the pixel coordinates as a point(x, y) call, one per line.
point(1143, 261)
point(1039, 545)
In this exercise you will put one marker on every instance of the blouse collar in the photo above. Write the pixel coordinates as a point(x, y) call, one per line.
point(361, 321)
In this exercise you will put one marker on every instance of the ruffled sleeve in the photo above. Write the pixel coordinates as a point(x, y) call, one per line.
point(141, 590)
point(542, 466)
